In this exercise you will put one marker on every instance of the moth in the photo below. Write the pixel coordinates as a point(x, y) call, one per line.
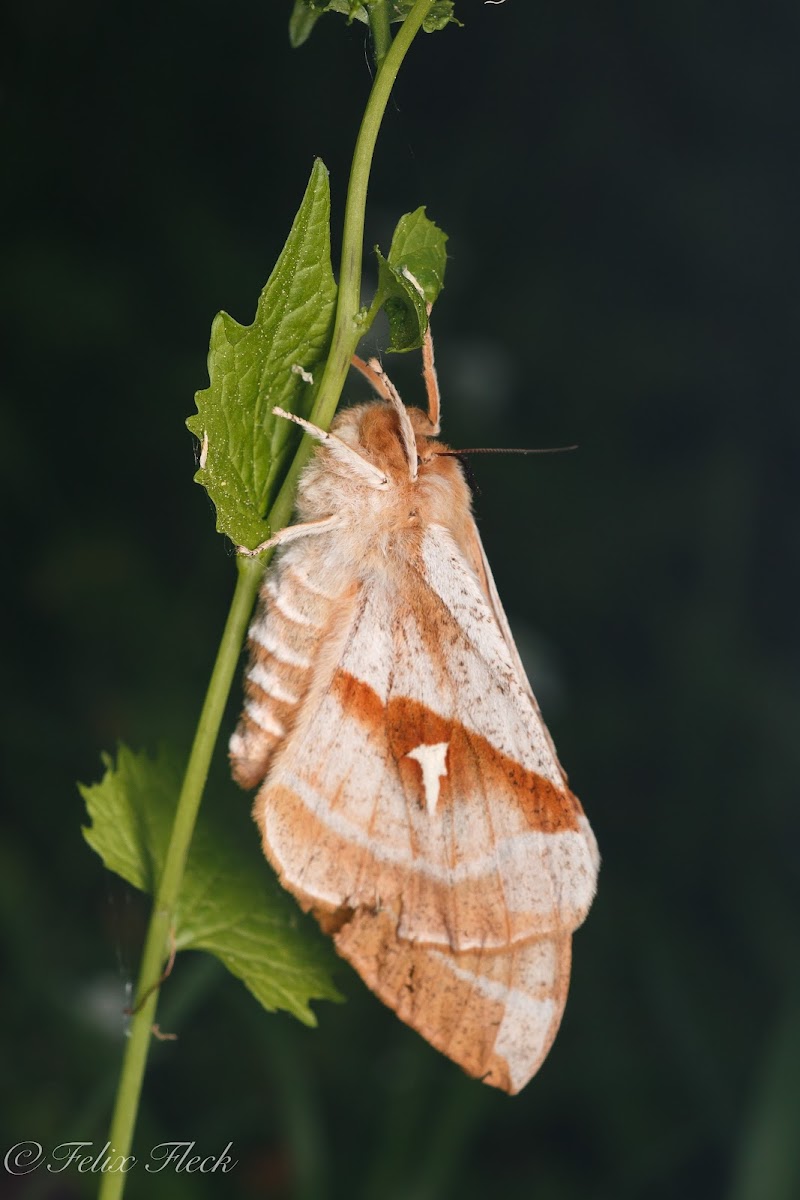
point(410, 794)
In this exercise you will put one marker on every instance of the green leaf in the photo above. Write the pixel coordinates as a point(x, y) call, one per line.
point(439, 15)
point(302, 21)
point(419, 245)
point(403, 305)
point(252, 368)
point(306, 13)
point(418, 248)
point(231, 904)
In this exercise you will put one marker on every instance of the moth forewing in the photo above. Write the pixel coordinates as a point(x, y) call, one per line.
point(496, 1015)
point(411, 796)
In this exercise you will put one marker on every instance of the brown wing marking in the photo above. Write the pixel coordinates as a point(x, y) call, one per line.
point(496, 1015)
point(487, 868)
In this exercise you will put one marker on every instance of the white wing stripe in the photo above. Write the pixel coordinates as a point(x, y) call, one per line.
point(531, 848)
point(527, 1024)
point(492, 989)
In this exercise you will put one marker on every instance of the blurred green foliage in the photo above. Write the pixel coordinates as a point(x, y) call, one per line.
point(620, 193)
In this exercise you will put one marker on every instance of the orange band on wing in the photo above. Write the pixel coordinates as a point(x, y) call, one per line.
point(475, 766)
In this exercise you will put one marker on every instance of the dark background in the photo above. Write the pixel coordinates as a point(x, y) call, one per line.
point(619, 183)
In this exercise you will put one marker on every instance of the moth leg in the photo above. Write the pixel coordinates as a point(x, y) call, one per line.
point(428, 365)
point(339, 449)
point(374, 374)
point(431, 380)
point(290, 534)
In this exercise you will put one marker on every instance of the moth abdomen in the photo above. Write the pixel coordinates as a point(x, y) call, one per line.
point(283, 641)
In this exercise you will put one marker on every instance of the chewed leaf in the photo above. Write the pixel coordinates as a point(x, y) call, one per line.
point(418, 246)
point(403, 305)
point(252, 368)
point(412, 276)
point(231, 904)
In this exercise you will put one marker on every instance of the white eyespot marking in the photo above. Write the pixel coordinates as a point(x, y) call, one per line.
point(201, 462)
point(434, 767)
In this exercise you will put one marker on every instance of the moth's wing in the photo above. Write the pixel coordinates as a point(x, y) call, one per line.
point(476, 557)
point(496, 1015)
point(475, 845)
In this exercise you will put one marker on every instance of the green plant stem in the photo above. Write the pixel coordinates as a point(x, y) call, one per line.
point(380, 28)
point(347, 328)
point(346, 332)
point(157, 944)
point(349, 325)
